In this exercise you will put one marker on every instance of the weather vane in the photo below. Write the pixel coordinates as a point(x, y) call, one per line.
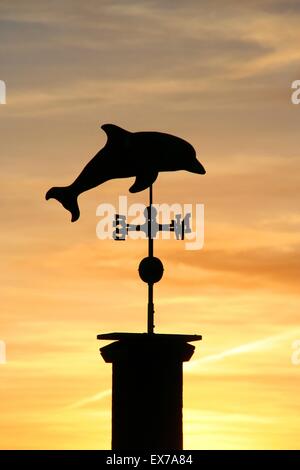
point(147, 394)
point(143, 155)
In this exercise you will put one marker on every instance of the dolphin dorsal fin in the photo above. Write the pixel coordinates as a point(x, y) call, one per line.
point(115, 134)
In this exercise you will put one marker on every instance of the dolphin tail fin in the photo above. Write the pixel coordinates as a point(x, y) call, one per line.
point(67, 198)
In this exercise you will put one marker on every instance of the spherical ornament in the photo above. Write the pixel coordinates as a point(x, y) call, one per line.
point(151, 270)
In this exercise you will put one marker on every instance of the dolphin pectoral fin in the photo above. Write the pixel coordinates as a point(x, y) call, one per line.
point(143, 181)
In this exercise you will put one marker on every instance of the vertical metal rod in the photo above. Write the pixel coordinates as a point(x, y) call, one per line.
point(150, 239)
point(150, 309)
point(150, 254)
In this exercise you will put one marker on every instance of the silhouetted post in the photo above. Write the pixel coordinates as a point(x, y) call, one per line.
point(150, 318)
point(147, 367)
point(147, 388)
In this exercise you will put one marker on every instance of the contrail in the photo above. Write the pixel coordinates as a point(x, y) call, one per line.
point(93, 398)
point(242, 349)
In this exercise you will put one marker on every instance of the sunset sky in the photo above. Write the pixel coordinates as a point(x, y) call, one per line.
point(218, 74)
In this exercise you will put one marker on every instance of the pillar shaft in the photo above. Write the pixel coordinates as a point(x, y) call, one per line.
point(147, 389)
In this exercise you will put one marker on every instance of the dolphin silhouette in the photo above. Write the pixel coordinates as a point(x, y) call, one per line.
point(126, 154)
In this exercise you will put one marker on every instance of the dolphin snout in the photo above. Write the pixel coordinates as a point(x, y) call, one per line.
point(196, 167)
point(202, 170)
point(49, 194)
